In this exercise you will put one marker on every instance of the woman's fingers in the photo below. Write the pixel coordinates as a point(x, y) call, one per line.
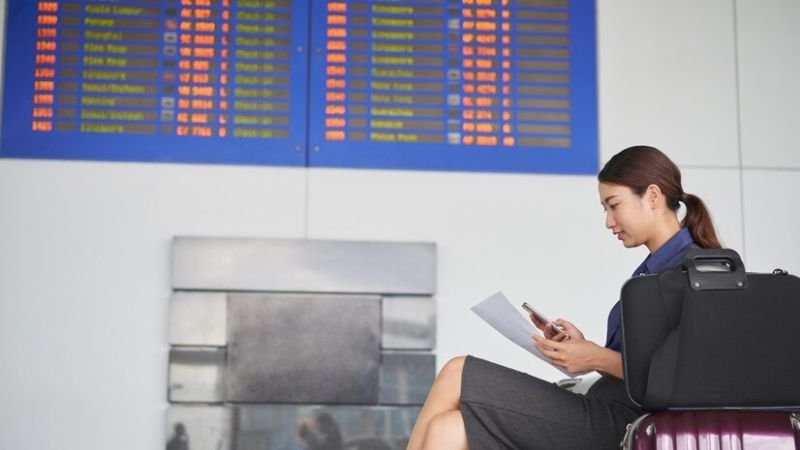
point(557, 334)
point(548, 347)
point(557, 352)
point(565, 324)
point(569, 328)
point(554, 351)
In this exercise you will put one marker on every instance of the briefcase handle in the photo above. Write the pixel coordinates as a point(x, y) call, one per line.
point(714, 269)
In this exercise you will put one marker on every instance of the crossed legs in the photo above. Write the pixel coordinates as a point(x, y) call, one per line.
point(439, 424)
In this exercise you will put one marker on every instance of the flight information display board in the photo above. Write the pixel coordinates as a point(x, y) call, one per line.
point(501, 85)
point(156, 80)
point(479, 85)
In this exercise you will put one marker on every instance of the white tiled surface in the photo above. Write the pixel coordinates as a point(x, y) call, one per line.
point(84, 287)
point(667, 79)
point(769, 64)
point(772, 220)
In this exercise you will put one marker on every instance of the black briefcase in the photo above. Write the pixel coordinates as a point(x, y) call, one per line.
point(709, 335)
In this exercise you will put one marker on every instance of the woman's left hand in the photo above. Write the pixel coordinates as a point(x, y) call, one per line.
point(574, 355)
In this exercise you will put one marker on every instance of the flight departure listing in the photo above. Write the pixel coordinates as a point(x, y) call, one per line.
point(182, 80)
point(495, 85)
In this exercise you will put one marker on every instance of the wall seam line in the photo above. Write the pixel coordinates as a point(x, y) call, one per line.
point(739, 125)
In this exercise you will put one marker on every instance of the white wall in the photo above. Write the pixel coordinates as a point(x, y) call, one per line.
point(84, 246)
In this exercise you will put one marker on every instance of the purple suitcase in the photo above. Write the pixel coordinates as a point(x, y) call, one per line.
point(714, 430)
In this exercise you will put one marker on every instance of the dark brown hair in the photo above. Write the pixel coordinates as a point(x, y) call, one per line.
point(640, 166)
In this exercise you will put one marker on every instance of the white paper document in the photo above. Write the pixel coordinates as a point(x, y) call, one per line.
point(498, 312)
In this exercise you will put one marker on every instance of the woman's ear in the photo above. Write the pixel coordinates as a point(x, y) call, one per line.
point(653, 195)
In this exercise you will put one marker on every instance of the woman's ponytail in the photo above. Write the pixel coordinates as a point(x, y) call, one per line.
point(698, 221)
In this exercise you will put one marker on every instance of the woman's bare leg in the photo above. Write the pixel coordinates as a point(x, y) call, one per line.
point(444, 397)
point(446, 432)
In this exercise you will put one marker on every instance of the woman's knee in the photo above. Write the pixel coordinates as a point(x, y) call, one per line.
point(453, 369)
point(447, 387)
point(449, 423)
point(446, 431)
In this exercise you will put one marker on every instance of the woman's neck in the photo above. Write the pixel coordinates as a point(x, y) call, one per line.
point(663, 234)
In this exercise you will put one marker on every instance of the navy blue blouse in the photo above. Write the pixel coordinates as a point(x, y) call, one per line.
point(667, 256)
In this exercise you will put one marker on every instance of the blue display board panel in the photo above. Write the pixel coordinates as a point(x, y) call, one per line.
point(217, 81)
point(477, 85)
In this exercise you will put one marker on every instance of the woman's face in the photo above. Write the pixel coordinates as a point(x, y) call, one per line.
point(628, 216)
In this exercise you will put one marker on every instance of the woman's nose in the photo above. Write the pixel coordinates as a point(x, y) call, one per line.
point(609, 220)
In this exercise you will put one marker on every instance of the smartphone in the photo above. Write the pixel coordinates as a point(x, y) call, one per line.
point(541, 318)
point(535, 313)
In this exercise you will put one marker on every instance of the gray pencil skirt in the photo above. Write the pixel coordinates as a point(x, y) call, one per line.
point(507, 409)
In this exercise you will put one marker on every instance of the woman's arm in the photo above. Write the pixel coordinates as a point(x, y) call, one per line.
point(610, 362)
